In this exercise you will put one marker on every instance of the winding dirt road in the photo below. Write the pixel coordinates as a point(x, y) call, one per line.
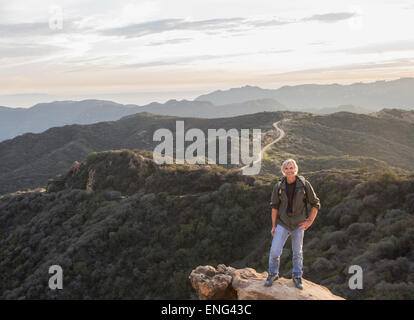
point(280, 137)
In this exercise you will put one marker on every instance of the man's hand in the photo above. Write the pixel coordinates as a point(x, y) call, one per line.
point(305, 224)
point(273, 231)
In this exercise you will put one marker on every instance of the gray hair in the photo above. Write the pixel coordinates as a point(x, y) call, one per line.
point(286, 162)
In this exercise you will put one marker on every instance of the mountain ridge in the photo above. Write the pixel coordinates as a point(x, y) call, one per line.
point(315, 98)
point(372, 95)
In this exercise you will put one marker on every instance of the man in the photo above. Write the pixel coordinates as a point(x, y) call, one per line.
point(290, 217)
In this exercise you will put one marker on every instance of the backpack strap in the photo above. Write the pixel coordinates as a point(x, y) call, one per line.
point(305, 198)
point(303, 180)
point(279, 189)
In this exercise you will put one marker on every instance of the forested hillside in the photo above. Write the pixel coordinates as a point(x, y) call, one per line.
point(122, 227)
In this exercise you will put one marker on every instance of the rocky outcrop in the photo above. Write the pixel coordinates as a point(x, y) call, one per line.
point(227, 283)
point(91, 181)
point(75, 168)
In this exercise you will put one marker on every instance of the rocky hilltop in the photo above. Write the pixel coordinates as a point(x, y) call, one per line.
point(227, 283)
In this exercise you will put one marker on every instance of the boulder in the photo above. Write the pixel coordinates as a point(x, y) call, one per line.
point(228, 283)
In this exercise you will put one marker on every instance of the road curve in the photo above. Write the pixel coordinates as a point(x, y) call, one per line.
point(280, 137)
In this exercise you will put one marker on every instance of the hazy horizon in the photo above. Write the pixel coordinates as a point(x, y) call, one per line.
point(139, 99)
point(153, 51)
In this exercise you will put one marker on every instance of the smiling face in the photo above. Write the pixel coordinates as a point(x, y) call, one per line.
point(290, 169)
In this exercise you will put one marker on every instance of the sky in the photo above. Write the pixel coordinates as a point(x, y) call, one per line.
point(144, 51)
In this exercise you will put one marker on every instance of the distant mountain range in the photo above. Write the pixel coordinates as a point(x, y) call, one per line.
point(376, 95)
point(43, 116)
point(319, 99)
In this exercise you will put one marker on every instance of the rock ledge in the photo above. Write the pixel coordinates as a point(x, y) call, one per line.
point(227, 283)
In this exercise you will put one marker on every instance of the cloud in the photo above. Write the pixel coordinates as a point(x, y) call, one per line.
point(159, 26)
point(319, 43)
point(397, 63)
point(24, 29)
point(212, 25)
point(169, 41)
point(34, 29)
point(330, 17)
point(177, 61)
point(409, 7)
point(269, 22)
point(391, 65)
point(28, 50)
point(400, 45)
point(276, 51)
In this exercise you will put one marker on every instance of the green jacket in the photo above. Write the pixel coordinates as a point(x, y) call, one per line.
point(303, 194)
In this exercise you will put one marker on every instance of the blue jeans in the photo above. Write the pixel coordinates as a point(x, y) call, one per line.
point(279, 239)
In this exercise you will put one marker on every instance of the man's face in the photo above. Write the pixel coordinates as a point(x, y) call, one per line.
point(289, 170)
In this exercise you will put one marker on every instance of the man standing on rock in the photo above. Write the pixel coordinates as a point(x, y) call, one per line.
point(290, 217)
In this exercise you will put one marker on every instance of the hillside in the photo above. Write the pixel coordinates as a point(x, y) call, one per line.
point(338, 141)
point(27, 161)
point(346, 108)
point(345, 140)
point(118, 219)
point(398, 114)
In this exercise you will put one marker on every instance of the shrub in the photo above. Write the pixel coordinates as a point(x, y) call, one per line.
point(360, 229)
point(334, 238)
point(322, 265)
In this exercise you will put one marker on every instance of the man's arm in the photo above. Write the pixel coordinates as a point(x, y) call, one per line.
point(308, 222)
point(312, 198)
point(316, 205)
point(275, 203)
point(312, 215)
